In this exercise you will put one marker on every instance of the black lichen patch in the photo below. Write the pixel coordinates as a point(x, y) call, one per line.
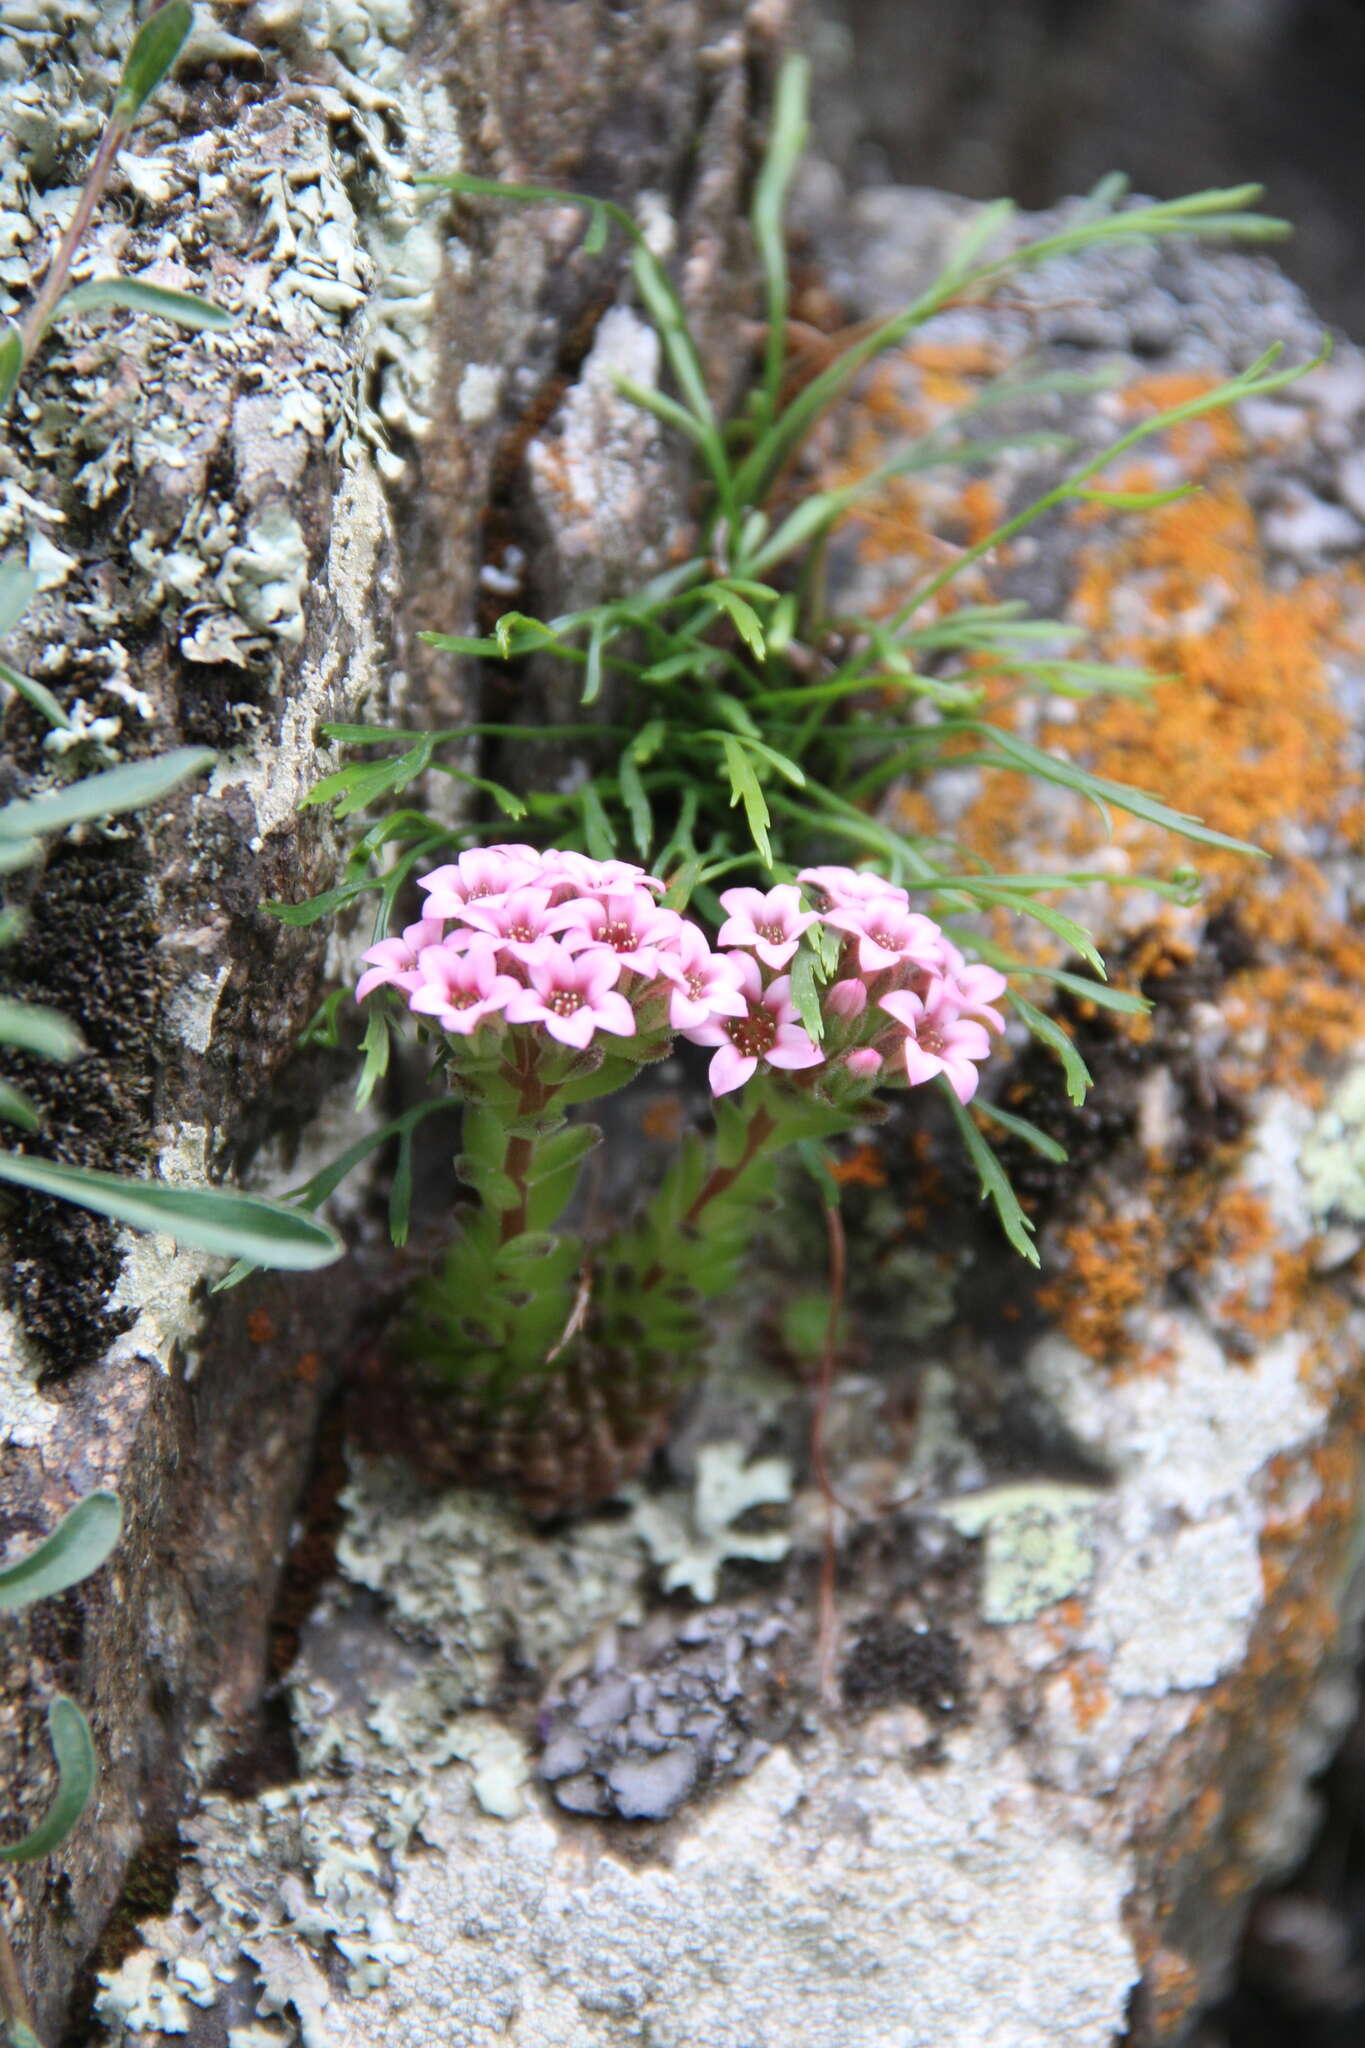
point(88, 951)
point(903, 1662)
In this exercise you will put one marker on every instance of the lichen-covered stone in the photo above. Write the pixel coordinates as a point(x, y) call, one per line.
point(237, 536)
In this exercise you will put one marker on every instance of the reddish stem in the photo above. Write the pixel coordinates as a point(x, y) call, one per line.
point(828, 1636)
point(718, 1181)
point(40, 312)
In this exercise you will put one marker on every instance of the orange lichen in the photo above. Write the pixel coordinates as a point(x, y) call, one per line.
point(862, 1168)
point(1091, 1698)
point(1105, 1276)
point(259, 1326)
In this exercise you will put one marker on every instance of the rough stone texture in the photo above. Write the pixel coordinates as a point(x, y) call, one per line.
point(238, 536)
point(1097, 1593)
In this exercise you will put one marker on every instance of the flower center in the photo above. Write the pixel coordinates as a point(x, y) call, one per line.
point(695, 985)
point(564, 1002)
point(774, 934)
point(464, 998)
point(929, 1040)
point(754, 1035)
point(618, 935)
point(522, 933)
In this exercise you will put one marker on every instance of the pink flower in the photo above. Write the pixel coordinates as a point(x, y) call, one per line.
point(480, 872)
point(630, 923)
point(846, 1000)
point(522, 922)
point(841, 888)
point(394, 961)
point(705, 984)
point(584, 873)
point(973, 989)
point(770, 1031)
point(889, 935)
point(573, 995)
point(863, 1062)
point(461, 989)
point(939, 1040)
point(771, 924)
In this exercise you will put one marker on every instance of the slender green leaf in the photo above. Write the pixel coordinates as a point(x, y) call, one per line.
point(1052, 768)
point(374, 1054)
point(183, 308)
point(18, 588)
point(592, 678)
point(805, 993)
point(11, 361)
point(1048, 1032)
point(16, 1108)
point(743, 617)
point(786, 142)
point(233, 1225)
point(636, 801)
point(745, 789)
point(129, 788)
point(601, 840)
point(77, 1771)
point(1134, 501)
point(995, 1184)
point(37, 694)
point(1019, 1127)
point(78, 1546)
point(317, 907)
point(34, 1028)
point(155, 48)
point(21, 2036)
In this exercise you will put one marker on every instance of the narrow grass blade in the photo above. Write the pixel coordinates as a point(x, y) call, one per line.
point(77, 1770)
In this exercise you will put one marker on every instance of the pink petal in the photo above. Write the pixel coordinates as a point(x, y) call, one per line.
point(730, 1069)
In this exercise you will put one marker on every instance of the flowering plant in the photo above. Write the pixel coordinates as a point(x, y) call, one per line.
point(547, 979)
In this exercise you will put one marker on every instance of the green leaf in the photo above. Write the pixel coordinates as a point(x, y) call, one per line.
point(565, 1150)
point(183, 308)
point(745, 789)
point(636, 801)
point(994, 1181)
point(156, 46)
point(21, 2036)
point(11, 361)
point(362, 783)
point(18, 588)
point(596, 824)
point(97, 796)
point(78, 1546)
point(592, 677)
point(234, 1226)
point(17, 1108)
point(37, 694)
point(786, 142)
point(1133, 501)
point(375, 1054)
point(77, 1771)
point(1019, 1127)
point(805, 993)
point(742, 616)
point(1048, 1032)
point(317, 907)
point(1051, 768)
point(34, 1028)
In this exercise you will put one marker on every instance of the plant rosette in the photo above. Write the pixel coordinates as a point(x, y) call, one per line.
point(544, 980)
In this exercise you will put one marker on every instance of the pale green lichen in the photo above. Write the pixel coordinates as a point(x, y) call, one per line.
point(1040, 1544)
point(1333, 1158)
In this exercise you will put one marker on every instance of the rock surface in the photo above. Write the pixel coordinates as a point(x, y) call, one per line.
point(1097, 1570)
point(236, 537)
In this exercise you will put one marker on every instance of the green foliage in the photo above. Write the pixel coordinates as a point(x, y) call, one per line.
point(736, 724)
point(155, 48)
point(79, 1545)
point(74, 1749)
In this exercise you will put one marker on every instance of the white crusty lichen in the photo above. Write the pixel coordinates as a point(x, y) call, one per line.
point(1040, 1545)
point(692, 1535)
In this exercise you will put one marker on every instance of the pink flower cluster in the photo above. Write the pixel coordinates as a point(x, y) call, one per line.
point(579, 946)
point(574, 945)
